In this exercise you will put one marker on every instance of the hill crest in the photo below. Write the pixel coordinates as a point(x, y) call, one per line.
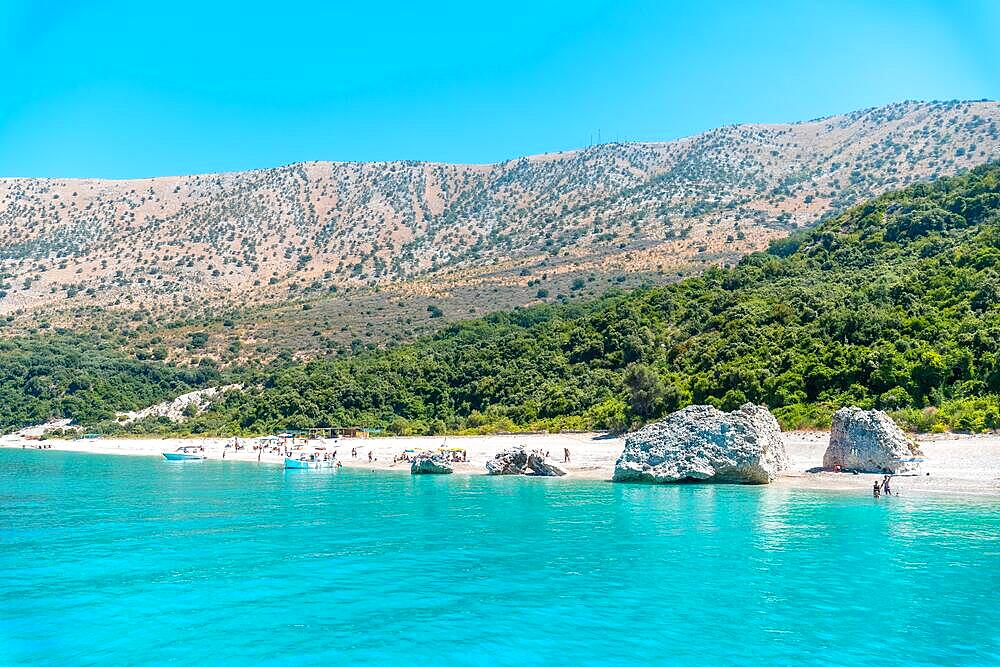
point(497, 235)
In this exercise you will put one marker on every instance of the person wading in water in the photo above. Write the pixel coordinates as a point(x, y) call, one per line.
point(876, 490)
point(885, 486)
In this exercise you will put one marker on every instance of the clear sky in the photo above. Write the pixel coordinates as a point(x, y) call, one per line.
point(131, 89)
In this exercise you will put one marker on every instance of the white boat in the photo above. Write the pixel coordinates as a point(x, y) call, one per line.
point(187, 453)
point(306, 464)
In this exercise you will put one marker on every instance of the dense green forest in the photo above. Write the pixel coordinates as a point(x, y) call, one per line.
point(893, 304)
point(86, 378)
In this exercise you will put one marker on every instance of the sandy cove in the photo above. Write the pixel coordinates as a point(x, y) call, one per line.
point(955, 464)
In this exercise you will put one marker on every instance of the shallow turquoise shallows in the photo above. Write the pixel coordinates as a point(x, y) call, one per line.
point(126, 560)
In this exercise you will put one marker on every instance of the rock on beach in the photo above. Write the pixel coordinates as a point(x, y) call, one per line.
point(541, 466)
point(511, 461)
point(427, 464)
point(517, 461)
point(704, 444)
point(869, 441)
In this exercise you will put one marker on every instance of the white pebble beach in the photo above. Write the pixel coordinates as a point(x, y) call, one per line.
point(955, 463)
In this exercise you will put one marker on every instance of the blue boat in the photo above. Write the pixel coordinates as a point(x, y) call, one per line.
point(306, 464)
point(188, 453)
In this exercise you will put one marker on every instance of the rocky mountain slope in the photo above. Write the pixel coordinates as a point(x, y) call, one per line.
point(479, 236)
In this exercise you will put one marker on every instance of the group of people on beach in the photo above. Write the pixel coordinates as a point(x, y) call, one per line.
point(882, 487)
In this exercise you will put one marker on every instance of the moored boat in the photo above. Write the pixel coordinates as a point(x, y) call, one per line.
point(307, 464)
point(187, 453)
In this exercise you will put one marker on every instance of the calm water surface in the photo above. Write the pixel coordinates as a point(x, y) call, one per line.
point(127, 560)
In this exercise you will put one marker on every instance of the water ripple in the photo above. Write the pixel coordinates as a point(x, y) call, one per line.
point(133, 560)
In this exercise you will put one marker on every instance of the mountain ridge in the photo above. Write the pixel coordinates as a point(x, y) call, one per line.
point(530, 156)
point(498, 234)
point(893, 304)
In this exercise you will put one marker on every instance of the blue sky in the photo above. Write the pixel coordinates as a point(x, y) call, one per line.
point(132, 89)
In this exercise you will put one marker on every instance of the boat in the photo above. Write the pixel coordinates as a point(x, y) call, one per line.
point(307, 464)
point(186, 453)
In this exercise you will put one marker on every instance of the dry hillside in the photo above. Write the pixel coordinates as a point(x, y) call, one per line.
point(377, 246)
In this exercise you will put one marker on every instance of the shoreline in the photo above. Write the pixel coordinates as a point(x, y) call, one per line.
point(966, 465)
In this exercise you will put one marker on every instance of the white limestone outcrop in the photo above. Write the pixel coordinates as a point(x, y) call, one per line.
point(704, 444)
point(869, 441)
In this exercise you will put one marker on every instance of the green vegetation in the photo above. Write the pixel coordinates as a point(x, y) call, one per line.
point(84, 378)
point(893, 304)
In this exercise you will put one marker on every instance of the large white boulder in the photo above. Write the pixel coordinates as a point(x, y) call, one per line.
point(702, 443)
point(869, 441)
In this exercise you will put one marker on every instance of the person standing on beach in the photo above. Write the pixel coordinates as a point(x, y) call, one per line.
point(876, 490)
point(565, 454)
point(885, 486)
point(369, 456)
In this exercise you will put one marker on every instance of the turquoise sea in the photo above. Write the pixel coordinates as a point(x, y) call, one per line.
point(133, 560)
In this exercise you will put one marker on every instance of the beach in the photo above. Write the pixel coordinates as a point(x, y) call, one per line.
point(955, 463)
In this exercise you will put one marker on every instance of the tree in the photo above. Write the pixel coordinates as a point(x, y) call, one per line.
point(645, 390)
point(930, 371)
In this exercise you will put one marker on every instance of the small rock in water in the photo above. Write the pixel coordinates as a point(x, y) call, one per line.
point(869, 441)
point(702, 443)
